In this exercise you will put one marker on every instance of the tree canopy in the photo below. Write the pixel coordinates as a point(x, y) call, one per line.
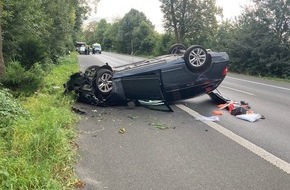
point(190, 20)
point(39, 31)
point(258, 41)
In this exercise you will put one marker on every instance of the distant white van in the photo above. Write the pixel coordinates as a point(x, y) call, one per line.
point(81, 47)
point(97, 48)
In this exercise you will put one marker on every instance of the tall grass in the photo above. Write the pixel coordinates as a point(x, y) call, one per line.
point(36, 150)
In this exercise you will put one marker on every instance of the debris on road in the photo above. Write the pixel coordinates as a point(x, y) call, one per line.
point(241, 110)
point(211, 118)
point(249, 117)
point(79, 184)
point(78, 110)
point(122, 130)
point(159, 126)
point(217, 112)
point(132, 117)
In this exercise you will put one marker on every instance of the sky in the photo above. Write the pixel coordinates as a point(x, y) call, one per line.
point(113, 9)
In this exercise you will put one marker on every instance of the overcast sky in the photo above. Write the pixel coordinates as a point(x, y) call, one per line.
point(113, 9)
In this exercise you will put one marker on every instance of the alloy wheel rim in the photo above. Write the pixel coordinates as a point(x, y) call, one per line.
point(197, 57)
point(105, 83)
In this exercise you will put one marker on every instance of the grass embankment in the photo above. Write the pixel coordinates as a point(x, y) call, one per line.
point(36, 150)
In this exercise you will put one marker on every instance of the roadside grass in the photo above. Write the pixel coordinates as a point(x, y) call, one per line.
point(37, 150)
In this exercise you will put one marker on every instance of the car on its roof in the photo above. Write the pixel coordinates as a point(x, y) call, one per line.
point(181, 74)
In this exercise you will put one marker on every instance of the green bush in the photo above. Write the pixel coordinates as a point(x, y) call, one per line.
point(31, 51)
point(18, 78)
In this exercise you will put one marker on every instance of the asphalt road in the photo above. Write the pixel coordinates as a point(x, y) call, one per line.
point(161, 150)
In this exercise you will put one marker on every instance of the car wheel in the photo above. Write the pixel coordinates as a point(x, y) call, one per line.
point(91, 71)
point(177, 49)
point(103, 82)
point(197, 59)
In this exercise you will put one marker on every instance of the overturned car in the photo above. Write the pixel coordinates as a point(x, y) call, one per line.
point(181, 74)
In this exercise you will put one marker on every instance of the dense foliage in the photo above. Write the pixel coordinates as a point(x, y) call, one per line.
point(258, 41)
point(34, 35)
point(191, 21)
point(39, 31)
point(133, 34)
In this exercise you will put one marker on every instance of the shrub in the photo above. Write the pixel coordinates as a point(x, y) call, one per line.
point(17, 77)
point(31, 51)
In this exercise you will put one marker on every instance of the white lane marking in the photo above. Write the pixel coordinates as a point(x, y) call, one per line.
point(285, 166)
point(269, 85)
point(234, 89)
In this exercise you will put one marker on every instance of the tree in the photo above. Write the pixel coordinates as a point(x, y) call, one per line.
point(20, 25)
point(143, 39)
point(60, 16)
point(190, 20)
point(260, 43)
point(163, 43)
point(2, 65)
point(100, 31)
point(275, 14)
point(110, 41)
point(89, 32)
point(127, 25)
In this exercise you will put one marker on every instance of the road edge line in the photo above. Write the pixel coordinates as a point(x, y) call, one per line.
point(278, 162)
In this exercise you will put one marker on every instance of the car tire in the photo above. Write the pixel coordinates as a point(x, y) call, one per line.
point(91, 71)
point(103, 82)
point(197, 59)
point(177, 49)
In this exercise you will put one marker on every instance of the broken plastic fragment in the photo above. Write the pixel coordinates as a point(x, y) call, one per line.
point(249, 117)
point(211, 118)
point(217, 112)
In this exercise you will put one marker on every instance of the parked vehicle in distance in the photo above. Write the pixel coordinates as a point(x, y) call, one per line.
point(182, 74)
point(96, 48)
point(82, 50)
point(80, 47)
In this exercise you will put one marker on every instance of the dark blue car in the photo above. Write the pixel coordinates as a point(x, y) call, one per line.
point(182, 74)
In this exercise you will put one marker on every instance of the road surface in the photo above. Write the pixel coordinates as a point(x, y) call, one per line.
point(161, 150)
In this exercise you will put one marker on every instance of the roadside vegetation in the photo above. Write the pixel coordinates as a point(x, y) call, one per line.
point(37, 134)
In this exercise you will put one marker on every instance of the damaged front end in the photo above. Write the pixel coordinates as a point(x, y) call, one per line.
point(98, 86)
point(81, 85)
